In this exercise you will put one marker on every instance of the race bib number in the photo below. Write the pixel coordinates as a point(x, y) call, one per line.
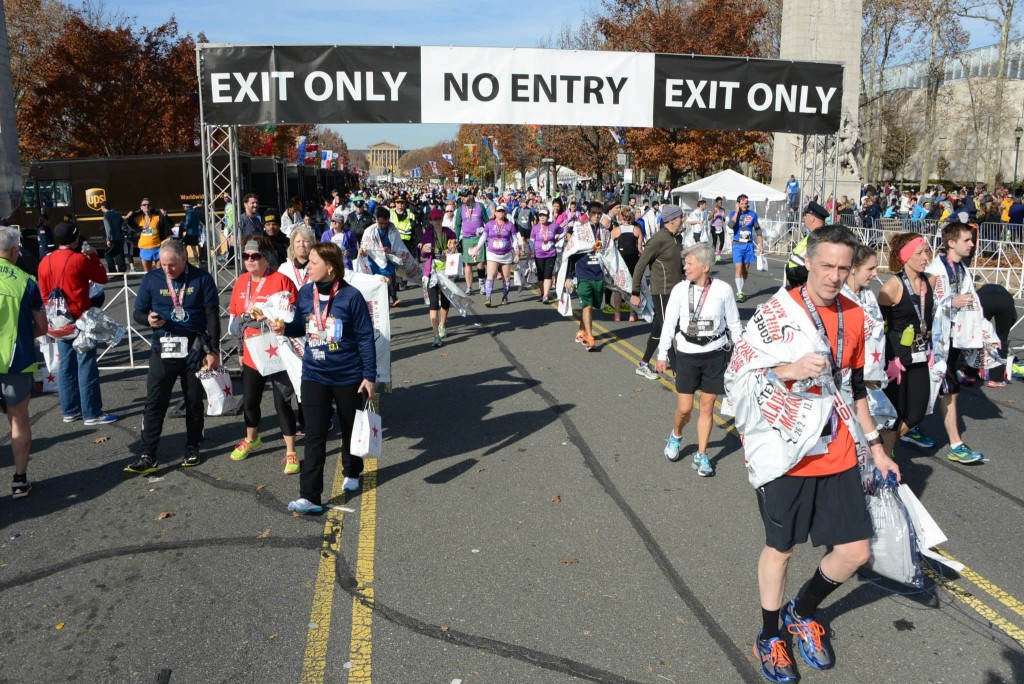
point(744, 236)
point(546, 246)
point(498, 244)
point(173, 347)
point(329, 335)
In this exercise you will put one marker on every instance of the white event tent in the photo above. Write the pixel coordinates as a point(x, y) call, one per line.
point(729, 185)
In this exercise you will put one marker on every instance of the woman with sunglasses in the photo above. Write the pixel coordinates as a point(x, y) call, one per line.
point(339, 368)
point(252, 289)
point(502, 248)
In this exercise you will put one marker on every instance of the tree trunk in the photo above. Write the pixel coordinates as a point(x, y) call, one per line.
point(936, 71)
point(996, 135)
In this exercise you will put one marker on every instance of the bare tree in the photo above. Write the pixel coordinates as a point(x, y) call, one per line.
point(999, 14)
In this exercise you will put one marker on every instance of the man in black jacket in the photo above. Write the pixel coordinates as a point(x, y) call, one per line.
point(113, 228)
point(359, 219)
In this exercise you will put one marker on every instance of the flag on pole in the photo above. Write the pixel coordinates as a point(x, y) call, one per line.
point(312, 153)
point(325, 159)
point(618, 134)
point(448, 158)
point(416, 173)
point(472, 149)
point(433, 167)
point(300, 149)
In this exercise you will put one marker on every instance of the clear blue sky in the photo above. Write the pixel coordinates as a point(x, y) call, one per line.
point(523, 23)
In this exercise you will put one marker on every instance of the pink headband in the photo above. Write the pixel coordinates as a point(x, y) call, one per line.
point(909, 248)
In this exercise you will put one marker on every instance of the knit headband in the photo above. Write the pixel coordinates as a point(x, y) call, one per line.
point(908, 249)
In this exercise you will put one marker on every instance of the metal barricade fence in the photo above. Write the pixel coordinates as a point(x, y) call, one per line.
point(133, 352)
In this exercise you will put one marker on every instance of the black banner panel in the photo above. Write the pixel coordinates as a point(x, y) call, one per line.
point(731, 93)
point(259, 85)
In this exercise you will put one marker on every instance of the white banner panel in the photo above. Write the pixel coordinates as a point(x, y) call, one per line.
point(537, 86)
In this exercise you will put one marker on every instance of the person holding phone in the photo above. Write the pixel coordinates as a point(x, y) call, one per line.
point(339, 368)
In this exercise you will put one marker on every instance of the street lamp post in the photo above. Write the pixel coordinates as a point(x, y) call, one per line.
point(548, 161)
point(1017, 132)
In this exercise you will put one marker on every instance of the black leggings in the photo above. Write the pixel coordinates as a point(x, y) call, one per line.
point(545, 268)
point(910, 396)
point(252, 392)
point(718, 240)
point(436, 299)
point(659, 302)
point(317, 401)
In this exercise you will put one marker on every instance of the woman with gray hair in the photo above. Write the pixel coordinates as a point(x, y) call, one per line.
point(699, 312)
point(300, 241)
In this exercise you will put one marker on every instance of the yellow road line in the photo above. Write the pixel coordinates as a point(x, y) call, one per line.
point(986, 586)
point(361, 650)
point(1005, 626)
point(314, 662)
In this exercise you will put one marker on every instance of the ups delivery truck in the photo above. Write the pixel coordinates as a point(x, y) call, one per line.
point(76, 187)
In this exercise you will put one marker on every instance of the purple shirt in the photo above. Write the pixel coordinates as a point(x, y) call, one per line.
point(472, 219)
point(543, 240)
point(499, 237)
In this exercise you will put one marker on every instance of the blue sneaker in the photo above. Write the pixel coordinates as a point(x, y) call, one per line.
point(918, 438)
point(305, 507)
point(672, 448)
point(810, 637)
point(963, 454)
point(702, 465)
point(102, 419)
point(776, 665)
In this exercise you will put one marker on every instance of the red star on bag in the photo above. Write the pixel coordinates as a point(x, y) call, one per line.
point(375, 431)
point(50, 379)
point(227, 391)
point(876, 357)
point(271, 351)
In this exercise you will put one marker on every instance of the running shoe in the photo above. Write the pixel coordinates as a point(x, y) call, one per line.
point(72, 419)
point(672, 446)
point(702, 465)
point(740, 297)
point(633, 318)
point(243, 448)
point(589, 343)
point(487, 302)
point(192, 458)
point(442, 331)
point(607, 308)
point(624, 308)
point(811, 639)
point(645, 370)
point(776, 665)
point(305, 507)
point(580, 336)
point(996, 384)
point(291, 463)
point(350, 484)
point(146, 464)
point(617, 318)
point(102, 419)
point(718, 258)
point(918, 438)
point(963, 454)
point(20, 486)
point(397, 302)
point(504, 300)
point(437, 341)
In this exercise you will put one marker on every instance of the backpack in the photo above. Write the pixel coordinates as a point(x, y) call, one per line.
point(60, 324)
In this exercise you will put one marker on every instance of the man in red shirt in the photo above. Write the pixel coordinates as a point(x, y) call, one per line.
point(822, 495)
point(69, 270)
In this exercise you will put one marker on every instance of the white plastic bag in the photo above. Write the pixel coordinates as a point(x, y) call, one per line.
point(51, 354)
point(366, 433)
point(264, 350)
point(894, 544)
point(565, 304)
point(967, 329)
point(220, 397)
point(291, 352)
point(762, 262)
point(453, 265)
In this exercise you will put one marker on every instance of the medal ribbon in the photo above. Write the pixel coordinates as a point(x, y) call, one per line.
point(321, 323)
point(919, 310)
point(248, 290)
point(820, 325)
point(175, 302)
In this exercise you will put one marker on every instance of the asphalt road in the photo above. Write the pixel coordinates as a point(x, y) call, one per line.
point(522, 526)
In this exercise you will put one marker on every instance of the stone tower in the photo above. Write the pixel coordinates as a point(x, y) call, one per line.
point(822, 31)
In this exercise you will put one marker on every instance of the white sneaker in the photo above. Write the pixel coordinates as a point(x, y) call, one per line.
point(645, 370)
point(351, 484)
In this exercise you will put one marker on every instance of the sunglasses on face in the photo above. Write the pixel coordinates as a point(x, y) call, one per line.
point(250, 256)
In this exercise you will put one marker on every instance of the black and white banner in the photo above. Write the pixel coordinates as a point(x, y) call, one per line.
point(260, 85)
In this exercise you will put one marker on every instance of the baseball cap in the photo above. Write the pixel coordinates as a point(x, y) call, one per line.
point(436, 214)
point(270, 217)
point(64, 233)
point(501, 207)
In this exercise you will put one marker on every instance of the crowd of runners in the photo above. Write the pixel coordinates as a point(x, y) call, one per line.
point(822, 381)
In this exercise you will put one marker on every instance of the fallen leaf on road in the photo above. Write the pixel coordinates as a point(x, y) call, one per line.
point(165, 515)
point(637, 390)
point(680, 619)
point(407, 382)
point(218, 479)
point(556, 499)
point(445, 629)
point(264, 534)
point(570, 561)
point(1009, 401)
point(272, 636)
point(100, 440)
point(260, 487)
point(60, 625)
point(650, 669)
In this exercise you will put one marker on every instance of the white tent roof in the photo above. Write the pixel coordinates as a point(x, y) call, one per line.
point(729, 184)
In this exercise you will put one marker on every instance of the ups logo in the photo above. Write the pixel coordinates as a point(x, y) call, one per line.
point(94, 197)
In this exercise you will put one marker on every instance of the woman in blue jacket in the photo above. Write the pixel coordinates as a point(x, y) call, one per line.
point(339, 365)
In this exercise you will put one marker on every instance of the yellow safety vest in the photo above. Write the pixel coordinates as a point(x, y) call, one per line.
point(404, 227)
point(797, 258)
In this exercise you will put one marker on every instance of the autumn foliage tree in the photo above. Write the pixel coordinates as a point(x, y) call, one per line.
point(105, 88)
point(708, 27)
